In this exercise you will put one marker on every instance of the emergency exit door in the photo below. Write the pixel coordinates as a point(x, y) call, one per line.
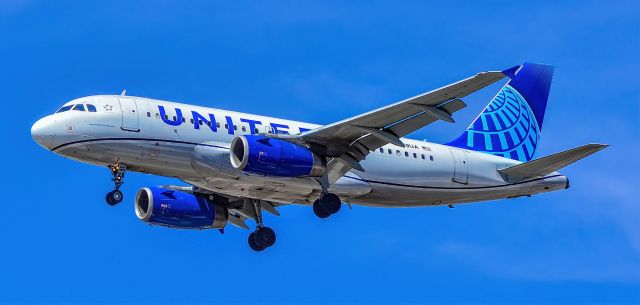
point(460, 166)
point(129, 110)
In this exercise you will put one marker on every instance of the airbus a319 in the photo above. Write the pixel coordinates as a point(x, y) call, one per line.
point(236, 165)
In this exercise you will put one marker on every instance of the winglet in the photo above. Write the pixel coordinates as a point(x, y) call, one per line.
point(511, 72)
point(551, 163)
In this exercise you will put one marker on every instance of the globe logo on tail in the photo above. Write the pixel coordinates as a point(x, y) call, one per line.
point(507, 127)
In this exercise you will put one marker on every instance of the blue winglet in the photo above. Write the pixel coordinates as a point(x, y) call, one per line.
point(511, 72)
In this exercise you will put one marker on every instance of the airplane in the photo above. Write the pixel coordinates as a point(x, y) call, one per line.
point(238, 165)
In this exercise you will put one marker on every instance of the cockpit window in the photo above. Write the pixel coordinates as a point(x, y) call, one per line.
point(64, 108)
point(91, 108)
point(78, 107)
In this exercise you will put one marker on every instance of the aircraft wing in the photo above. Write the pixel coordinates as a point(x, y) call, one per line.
point(350, 141)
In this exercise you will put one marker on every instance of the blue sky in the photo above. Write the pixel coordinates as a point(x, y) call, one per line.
point(321, 62)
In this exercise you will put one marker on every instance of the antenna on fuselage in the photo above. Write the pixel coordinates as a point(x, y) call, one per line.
point(124, 92)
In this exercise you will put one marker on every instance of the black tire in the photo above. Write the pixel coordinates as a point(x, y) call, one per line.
point(265, 237)
point(330, 203)
point(319, 211)
point(253, 245)
point(109, 199)
point(117, 196)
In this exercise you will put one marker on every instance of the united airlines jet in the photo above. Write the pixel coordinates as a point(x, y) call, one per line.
point(237, 165)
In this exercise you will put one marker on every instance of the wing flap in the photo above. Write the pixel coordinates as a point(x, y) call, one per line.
point(551, 163)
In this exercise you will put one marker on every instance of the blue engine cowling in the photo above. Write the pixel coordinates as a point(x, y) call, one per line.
point(176, 209)
point(274, 157)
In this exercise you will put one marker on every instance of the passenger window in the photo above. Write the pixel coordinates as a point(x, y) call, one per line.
point(257, 131)
point(91, 108)
point(78, 107)
point(174, 118)
point(422, 155)
point(226, 126)
point(200, 122)
point(244, 129)
point(389, 150)
point(431, 158)
point(166, 116)
point(235, 127)
point(217, 125)
point(148, 114)
point(406, 153)
point(415, 155)
point(64, 108)
point(183, 120)
point(191, 121)
point(398, 153)
point(382, 150)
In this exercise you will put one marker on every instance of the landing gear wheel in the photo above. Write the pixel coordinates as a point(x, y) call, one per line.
point(317, 209)
point(327, 205)
point(252, 243)
point(114, 197)
point(265, 237)
point(330, 203)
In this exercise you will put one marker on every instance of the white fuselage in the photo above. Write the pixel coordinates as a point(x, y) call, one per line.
point(133, 131)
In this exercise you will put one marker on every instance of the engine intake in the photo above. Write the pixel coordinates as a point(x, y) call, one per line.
point(274, 157)
point(176, 209)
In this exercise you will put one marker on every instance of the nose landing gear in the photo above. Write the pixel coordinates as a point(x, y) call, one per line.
point(117, 171)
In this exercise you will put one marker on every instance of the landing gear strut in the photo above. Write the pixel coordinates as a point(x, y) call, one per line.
point(117, 171)
point(263, 237)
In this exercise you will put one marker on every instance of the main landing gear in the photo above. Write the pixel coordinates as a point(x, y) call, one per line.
point(263, 237)
point(327, 205)
point(117, 170)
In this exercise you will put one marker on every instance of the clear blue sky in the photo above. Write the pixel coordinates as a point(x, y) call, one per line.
point(321, 62)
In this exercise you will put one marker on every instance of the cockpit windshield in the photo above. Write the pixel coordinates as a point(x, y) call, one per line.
point(64, 108)
point(78, 107)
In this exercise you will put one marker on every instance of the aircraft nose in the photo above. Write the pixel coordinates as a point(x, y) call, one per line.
point(41, 133)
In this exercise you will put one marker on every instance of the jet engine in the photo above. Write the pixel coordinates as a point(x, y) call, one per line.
point(177, 209)
point(274, 157)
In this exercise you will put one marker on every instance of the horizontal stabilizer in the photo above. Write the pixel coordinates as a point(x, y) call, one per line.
point(551, 163)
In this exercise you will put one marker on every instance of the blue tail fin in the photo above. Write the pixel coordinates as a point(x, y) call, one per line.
point(510, 125)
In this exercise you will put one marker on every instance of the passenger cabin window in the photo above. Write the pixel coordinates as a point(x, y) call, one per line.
point(244, 129)
point(91, 108)
point(64, 108)
point(415, 155)
point(382, 150)
point(148, 114)
point(422, 155)
point(431, 158)
point(78, 107)
point(406, 153)
point(389, 150)
point(398, 153)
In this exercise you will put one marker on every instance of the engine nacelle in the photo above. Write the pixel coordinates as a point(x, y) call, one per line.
point(176, 209)
point(274, 157)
